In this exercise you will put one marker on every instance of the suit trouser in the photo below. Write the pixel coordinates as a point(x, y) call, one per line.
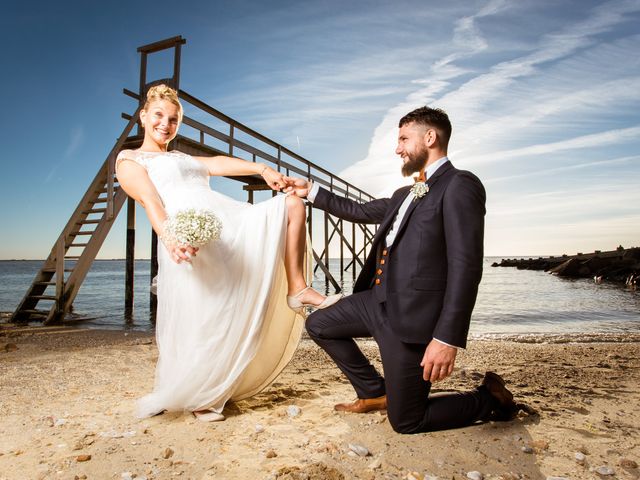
point(409, 407)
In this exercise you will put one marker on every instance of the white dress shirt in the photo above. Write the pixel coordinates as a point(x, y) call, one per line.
point(431, 169)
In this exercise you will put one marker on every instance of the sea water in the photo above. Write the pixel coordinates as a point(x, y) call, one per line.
point(522, 305)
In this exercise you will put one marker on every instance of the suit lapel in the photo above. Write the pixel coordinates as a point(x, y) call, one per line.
point(391, 215)
point(431, 182)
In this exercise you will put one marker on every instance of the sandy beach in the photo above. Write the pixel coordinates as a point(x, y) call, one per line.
point(67, 401)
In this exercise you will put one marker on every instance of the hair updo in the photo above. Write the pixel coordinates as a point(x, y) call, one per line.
point(163, 92)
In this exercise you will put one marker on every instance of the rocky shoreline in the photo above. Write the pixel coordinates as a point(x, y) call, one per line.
point(619, 266)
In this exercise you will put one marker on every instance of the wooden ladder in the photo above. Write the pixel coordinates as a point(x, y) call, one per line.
point(56, 285)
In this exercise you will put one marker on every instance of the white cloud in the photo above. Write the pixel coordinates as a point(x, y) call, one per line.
point(77, 137)
point(565, 169)
point(75, 142)
point(603, 139)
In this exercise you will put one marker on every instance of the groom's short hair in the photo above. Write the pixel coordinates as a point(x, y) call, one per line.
point(430, 117)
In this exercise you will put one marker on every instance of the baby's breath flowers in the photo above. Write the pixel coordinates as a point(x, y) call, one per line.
point(419, 190)
point(191, 227)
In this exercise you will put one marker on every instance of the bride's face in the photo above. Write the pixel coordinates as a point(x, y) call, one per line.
point(161, 121)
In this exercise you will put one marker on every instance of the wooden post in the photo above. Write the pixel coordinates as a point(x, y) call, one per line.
point(130, 262)
point(143, 81)
point(153, 300)
point(326, 249)
point(176, 65)
point(60, 277)
point(341, 252)
point(353, 242)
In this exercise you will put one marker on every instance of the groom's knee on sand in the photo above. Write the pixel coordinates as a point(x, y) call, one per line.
point(402, 421)
point(315, 324)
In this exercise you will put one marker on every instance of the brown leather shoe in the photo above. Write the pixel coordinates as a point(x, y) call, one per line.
point(363, 405)
point(507, 408)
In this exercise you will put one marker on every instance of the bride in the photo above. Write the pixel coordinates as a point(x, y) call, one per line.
point(224, 329)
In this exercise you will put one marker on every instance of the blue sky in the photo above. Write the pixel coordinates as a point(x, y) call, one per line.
point(543, 96)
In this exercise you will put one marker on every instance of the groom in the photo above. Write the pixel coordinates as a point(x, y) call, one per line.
point(417, 289)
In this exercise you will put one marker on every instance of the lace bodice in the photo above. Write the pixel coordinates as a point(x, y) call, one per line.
point(169, 170)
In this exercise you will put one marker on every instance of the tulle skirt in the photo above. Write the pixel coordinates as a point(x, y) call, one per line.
point(223, 328)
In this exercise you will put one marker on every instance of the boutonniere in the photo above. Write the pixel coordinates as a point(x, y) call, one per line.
point(419, 190)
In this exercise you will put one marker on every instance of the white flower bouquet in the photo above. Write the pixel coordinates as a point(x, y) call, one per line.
point(192, 227)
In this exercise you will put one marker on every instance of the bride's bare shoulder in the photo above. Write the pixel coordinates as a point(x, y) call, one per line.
point(127, 153)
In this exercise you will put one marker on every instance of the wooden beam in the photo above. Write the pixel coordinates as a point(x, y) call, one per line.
point(130, 259)
point(162, 44)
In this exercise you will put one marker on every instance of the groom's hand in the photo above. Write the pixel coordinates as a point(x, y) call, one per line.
point(297, 186)
point(438, 361)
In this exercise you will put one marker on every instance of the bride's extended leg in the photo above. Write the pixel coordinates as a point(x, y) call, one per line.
point(294, 251)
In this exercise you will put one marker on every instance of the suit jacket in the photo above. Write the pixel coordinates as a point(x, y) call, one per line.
point(434, 266)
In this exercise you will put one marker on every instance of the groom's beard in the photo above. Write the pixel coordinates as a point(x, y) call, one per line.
point(417, 161)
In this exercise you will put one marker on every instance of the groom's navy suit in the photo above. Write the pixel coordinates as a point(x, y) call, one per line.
point(423, 286)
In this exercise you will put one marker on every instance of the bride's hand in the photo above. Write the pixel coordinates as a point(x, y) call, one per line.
point(274, 179)
point(297, 186)
point(182, 253)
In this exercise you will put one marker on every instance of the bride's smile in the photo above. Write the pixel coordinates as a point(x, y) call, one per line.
point(161, 122)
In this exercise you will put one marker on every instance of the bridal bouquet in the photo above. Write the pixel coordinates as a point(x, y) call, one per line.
point(192, 227)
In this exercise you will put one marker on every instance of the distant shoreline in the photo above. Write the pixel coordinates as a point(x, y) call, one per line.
point(331, 258)
point(621, 265)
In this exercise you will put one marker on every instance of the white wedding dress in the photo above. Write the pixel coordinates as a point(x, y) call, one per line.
point(223, 328)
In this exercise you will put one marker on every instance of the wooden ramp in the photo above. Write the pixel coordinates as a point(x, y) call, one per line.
point(57, 283)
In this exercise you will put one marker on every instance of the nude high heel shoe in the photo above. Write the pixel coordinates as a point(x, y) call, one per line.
point(297, 306)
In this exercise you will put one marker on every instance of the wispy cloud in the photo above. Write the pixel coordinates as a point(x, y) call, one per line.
point(566, 169)
point(603, 139)
point(76, 138)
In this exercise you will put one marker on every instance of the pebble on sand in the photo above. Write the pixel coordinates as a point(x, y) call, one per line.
point(627, 463)
point(271, 454)
point(359, 450)
point(293, 411)
point(539, 445)
point(83, 458)
point(605, 470)
point(474, 475)
point(167, 453)
point(580, 458)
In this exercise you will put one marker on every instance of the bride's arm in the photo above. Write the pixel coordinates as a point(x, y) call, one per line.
point(221, 165)
point(135, 181)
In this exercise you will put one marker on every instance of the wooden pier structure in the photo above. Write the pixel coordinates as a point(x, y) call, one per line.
point(205, 131)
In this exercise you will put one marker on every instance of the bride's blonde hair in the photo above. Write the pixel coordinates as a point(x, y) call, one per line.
point(163, 92)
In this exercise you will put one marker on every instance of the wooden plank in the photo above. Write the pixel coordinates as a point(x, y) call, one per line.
point(162, 44)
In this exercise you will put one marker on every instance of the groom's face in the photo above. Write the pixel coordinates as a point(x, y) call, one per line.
point(412, 148)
